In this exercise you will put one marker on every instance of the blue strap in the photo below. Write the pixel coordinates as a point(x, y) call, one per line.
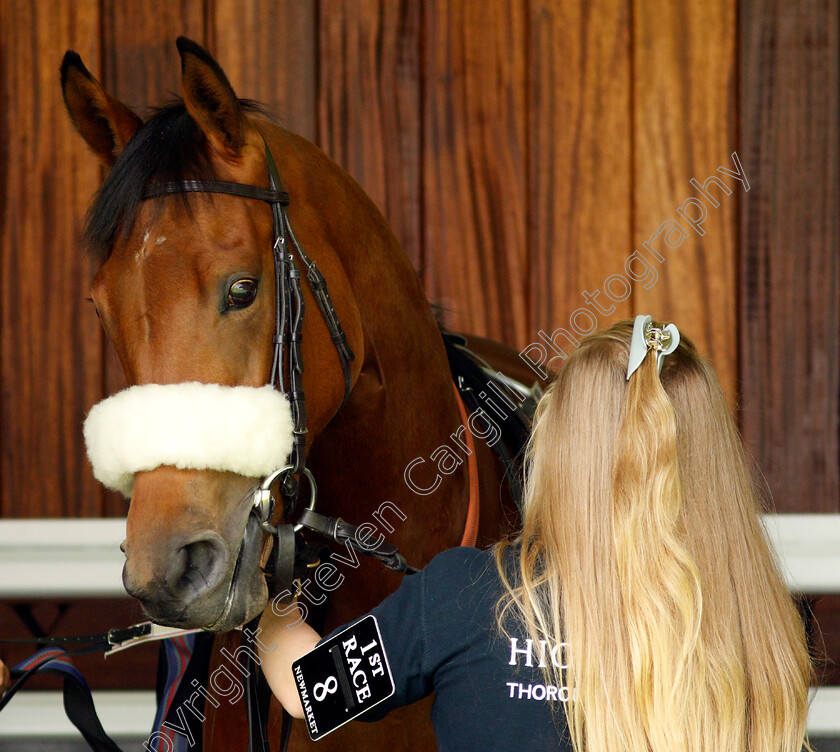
point(171, 731)
point(183, 670)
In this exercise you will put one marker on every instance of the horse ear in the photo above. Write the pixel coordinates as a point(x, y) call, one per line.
point(104, 122)
point(210, 99)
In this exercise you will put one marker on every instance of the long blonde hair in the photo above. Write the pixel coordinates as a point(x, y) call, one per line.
point(642, 552)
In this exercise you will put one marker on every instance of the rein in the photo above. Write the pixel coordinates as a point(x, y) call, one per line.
point(471, 526)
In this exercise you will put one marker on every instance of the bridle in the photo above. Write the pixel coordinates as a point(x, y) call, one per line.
point(287, 363)
point(287, 376)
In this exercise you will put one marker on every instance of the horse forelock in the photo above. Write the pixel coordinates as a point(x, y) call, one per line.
point(168, 147)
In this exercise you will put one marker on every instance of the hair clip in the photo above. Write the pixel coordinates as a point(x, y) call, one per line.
point(646, 337)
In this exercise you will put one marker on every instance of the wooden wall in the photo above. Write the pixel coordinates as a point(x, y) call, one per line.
point(522, 150)
point(789, 253)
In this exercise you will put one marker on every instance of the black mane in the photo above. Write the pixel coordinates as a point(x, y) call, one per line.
point(169, 146)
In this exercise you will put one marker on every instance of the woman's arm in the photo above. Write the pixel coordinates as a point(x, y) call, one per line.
point(284, 638)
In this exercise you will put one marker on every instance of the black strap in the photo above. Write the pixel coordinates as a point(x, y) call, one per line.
point(287, 365)
point(78, 704)
point(257, 694)
point(285, 730)
point(94, 643)
point(317, 620)
point(343, 532)
point(282, 561)
point(269, 195)
point(318, 285)
point(317, 282)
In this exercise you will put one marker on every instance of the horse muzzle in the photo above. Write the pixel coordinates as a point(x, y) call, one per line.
point(195, 542)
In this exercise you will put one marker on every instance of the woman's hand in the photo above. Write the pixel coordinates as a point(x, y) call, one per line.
point(5, 678)
point(284, 637)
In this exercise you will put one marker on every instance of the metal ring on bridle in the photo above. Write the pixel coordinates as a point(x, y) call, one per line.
point(264, 502)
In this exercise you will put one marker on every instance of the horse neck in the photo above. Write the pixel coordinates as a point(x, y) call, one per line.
point(402, 405)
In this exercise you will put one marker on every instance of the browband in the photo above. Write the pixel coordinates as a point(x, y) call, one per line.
point(269, 195)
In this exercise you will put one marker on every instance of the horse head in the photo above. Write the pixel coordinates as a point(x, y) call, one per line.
point(185, 290)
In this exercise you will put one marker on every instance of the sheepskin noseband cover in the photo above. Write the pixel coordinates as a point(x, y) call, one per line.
point(244, 430)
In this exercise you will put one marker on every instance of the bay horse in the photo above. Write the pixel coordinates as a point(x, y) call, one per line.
point(185, 290)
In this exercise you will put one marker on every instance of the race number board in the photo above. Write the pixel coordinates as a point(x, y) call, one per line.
point(343, 677)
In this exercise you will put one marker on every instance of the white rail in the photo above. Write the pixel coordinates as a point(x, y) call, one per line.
point(81, 558)
point(808, 546)
point(40, 715)
point(61, 558)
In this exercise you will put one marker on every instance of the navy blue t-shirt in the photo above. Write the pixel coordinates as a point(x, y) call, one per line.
point(440, 635)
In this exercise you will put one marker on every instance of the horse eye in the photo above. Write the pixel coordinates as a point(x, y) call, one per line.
point(242, 293)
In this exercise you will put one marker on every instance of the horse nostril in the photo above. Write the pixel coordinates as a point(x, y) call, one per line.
point(196, 568)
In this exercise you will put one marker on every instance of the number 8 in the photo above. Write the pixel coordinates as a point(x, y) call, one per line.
point(325, 688)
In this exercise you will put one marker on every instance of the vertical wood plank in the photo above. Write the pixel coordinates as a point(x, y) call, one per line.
point(475, 171)
point(579, 229)
point(790, 273)
point(267, 48)
point(140, 63)
point(684, 120)
point(369, 111)
point(50, 341)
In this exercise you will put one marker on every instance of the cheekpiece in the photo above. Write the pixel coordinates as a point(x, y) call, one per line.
point(646, 337)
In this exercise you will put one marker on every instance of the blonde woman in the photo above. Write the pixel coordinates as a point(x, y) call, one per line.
point(640, 608)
